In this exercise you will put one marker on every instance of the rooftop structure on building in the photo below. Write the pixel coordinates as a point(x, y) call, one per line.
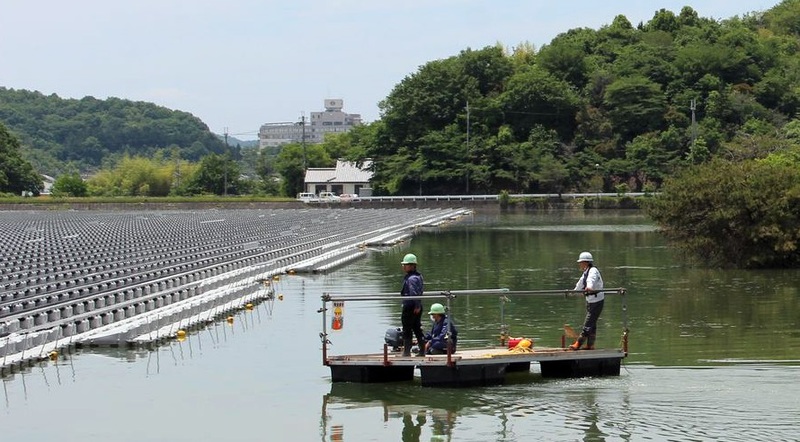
point(331, 120)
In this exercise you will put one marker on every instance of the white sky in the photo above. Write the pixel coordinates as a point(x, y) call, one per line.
point(237, 64)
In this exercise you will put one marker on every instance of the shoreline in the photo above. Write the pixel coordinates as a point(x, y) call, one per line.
point(482, 206)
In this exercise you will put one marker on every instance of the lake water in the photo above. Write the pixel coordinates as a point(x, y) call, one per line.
point(714, 354)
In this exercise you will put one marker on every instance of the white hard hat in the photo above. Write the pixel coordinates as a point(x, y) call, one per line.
point(585, 257)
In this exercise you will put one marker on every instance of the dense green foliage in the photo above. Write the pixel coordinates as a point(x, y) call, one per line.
point(69, 185)
point(292, 162)
point(216, 174)
point(161, 176)
point(139, 176)
point(89, 133)
point(16, 174)
point(611, 106)
point(734, 214)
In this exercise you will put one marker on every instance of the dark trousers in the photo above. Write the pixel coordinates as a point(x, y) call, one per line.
point(412, 323)
point(593, 310)
point(441, 351)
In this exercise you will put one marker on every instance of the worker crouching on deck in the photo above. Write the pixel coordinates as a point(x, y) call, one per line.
point(437, 340)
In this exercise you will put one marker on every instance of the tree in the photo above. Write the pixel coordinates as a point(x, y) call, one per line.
point(437, 94)
point(663, 20)
point(648, 159)
point(565, 59)
point(289, 165)
point(428, 100)
point(612, 39)
point(444, 161)
point(138, 176)
point(652, 58)
point(16, 174)
point(733, 214)
point(69, 184)
point(535, 97)
point(784, 18)
point(635, 105)
point(217, 174)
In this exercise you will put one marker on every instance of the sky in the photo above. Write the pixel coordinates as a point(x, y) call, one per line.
point(237, 64)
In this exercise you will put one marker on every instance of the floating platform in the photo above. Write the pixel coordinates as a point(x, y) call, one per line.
point(473, 367)
point(468, 367)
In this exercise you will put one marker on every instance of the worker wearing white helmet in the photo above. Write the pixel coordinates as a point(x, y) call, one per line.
point(591, 284)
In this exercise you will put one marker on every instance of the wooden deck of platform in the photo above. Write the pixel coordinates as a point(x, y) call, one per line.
point(470, 367)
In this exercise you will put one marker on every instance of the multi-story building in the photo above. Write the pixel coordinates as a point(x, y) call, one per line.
point(331, 120)
point(275, 134)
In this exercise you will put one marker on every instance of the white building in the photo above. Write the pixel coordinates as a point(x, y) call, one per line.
point(275, 134)
point(346, 177)
point(331, 120)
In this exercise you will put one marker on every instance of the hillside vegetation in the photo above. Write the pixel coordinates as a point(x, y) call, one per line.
point(621, 107)
point(89, 133)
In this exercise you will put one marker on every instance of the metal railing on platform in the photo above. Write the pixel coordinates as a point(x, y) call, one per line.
point(449, 295)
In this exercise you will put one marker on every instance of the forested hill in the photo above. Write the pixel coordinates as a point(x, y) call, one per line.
point(54, 131)
point(623, 105)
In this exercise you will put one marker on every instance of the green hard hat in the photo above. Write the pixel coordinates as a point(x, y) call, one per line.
point(436, 309)
point(409, 259)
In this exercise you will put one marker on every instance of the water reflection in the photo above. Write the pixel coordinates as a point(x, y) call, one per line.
point(576, 409)
point(432, 412)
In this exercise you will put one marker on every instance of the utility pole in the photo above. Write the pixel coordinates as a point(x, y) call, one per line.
point(303, 138)
point(225, 165)
point(468, 159)
point(692, 106)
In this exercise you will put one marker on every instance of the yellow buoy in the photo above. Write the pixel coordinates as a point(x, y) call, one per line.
point(280, 297)
point(229, 319)
point(248, 306)
point(53, 355)
point(276, 278)
point(181, 333)
point(291, 272)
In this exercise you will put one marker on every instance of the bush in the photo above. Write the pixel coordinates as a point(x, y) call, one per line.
point(69, 184)
point(504, 198)
point(729, 214)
